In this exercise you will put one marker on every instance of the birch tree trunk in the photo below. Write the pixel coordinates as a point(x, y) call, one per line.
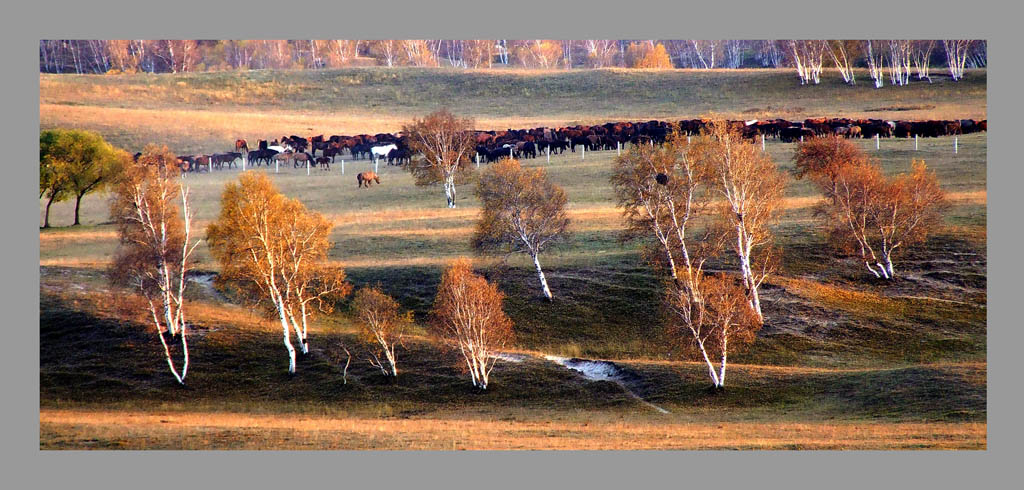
point(543, 280)
point(287, 334)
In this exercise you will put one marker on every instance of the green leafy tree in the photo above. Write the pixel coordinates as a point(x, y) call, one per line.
point(76, 163)
point(52, 182)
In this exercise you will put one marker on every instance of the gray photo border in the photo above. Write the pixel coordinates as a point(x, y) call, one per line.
point(25, 465)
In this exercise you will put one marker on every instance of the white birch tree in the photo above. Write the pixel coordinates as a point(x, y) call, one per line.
point(752, 187)
point(382, 327)
point(843, 55)
point(156, 248)
point(876, 64)
point(922, 55)
point(956, 56)
point(467, 316)
point(446, 144)
point(275, 251)
point(523, 212)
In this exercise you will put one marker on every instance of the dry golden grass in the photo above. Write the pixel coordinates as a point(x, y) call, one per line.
point(210, 125)
point(140, 430)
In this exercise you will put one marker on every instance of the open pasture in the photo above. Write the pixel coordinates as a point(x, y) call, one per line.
point(206, 112)
point(842, 362)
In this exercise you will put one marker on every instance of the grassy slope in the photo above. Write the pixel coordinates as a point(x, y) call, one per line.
point(842, 347)
point(208, 111)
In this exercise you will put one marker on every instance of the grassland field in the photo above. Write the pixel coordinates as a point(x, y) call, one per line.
point(842, 362)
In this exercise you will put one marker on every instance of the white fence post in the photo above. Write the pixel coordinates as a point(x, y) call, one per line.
point(307, 166)
point(956, 145)
point(342, 166)
point(477, 160)
point(915, 142)
point(583, 156)
point(510, 153)
point(375, 162)
point(548, 148)
point(618, 148)
point(243, 161)
point(277, 163)
point(876, 142)
point(762, 142)
point(801, 138)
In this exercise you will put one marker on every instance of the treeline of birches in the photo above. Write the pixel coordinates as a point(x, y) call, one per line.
point(690, 200)
point(894, 59)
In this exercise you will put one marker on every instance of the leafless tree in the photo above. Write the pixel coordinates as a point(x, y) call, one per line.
point(734, 49)
point(705, 52)
point(922, 55)
point(808, 57)
point(876, 63)
point(900, 58)
point(843, 53)
point(600, 52)
point(769, 53)
point(956, 56)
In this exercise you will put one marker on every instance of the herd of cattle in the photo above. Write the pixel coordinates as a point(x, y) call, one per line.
point(528, 143)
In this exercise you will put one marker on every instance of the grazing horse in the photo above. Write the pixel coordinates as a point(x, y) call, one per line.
point(284, 157)
point(241, 145)
point(201, 160)
point(257, 156)
point(398, 154)
point(219, 159)
point(360, 151)
point(324, 163)
point(302, 158)
point(366, 178)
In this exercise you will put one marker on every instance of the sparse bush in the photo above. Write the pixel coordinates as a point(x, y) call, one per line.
point(382, 326)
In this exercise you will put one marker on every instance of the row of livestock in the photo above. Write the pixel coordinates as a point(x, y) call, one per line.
point(529, 143)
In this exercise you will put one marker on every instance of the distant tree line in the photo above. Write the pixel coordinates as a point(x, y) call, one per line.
point(807, 56)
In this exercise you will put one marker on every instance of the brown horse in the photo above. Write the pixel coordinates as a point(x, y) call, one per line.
point(300, 159)
point(324, 163)
point(241, 145)
point(284, 157)
point(366, 177)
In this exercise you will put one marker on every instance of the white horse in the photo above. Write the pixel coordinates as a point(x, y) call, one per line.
point(279, 149)
point(382, 151)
